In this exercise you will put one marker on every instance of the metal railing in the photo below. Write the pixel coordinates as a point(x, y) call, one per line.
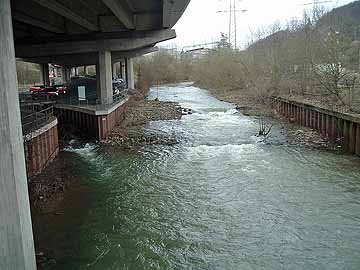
point(92, 102)
point(32, 118)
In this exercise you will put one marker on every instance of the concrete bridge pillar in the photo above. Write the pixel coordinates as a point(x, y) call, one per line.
point(103, 76)
point(123, 70)
point(16, 239)
point(114, 70)
point(67, 74)
point(130, 73)
point(63, 75)
point(45, 80)
point(73, 72)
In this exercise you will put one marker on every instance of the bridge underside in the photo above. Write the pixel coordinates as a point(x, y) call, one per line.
point(69, 33)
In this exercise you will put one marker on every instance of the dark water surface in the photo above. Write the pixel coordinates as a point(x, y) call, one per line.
point(220, 199)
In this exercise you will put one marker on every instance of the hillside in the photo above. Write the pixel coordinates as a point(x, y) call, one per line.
point(344, 19)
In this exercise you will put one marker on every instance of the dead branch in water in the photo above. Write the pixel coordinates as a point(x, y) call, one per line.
point(264, 131)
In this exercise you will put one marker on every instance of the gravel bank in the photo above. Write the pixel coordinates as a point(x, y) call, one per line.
point(131, 133)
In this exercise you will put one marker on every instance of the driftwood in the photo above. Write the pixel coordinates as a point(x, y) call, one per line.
point(264, 130)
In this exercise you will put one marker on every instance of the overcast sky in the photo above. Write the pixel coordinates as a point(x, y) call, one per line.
point(201, 23)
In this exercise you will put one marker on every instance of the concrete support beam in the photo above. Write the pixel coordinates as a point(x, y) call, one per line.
point(104, 78)
point(127, 43)
point(118, 56)
point(130, 73)
point(67, 13)
point(37, 22)
point(172, 11)
point(121, 11)
point(89, 58)
point(16, 238)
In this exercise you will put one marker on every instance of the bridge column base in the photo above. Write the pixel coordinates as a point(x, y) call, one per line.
point(16, 238)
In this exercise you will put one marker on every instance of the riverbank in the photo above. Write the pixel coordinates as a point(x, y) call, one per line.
point(58, 197)
point(48, 189)
point(296, 135)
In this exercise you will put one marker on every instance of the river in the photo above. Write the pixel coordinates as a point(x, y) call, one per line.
point(220, 199)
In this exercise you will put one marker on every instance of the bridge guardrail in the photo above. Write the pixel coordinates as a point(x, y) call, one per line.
point(92, 101)
point(33, 119)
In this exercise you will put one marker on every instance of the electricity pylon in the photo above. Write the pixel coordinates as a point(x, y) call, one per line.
point(232, 34)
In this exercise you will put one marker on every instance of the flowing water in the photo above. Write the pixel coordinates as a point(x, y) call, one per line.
point(220, 199)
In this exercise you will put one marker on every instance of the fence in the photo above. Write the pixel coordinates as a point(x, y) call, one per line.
point(33, 118)
point(92, 102)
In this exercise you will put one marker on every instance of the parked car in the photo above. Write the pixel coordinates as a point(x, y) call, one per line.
point(119, 85)
point(40, 91)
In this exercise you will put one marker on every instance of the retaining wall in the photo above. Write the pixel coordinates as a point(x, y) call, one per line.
point(338, 127)
point(41, 147)
point(94, 123)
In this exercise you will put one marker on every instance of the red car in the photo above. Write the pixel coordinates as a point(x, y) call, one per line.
point(40, 91)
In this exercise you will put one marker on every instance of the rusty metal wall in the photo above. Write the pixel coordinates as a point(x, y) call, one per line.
point(95, 126)
point(338, 127)
point(40, 151)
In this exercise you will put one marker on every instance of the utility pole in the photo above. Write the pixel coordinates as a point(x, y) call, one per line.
point(232, 33)
point(230, 17)
point(235, 23)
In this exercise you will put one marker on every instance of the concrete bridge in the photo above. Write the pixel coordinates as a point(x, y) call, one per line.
point(69, 33)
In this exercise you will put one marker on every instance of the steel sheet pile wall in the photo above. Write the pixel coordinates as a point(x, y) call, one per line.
point(40, 149)
point(106, 123)
point(338, 127)
point(95, 126)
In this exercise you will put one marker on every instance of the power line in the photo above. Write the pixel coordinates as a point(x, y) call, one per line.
point(315, 3)
point(232, 34)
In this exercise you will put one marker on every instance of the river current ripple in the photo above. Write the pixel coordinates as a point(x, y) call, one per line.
point(220, 199)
